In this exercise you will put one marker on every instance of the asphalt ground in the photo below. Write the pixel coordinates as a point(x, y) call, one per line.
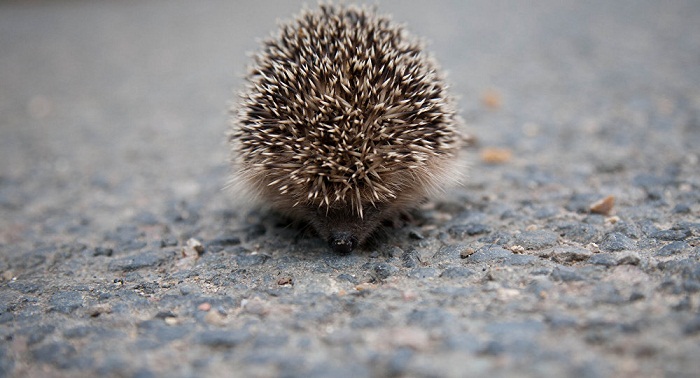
point(113, 159)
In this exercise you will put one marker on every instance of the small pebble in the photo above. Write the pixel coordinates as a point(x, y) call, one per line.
point(603, 206)
point(196, 245)
point(466, 253)
point(494, 155)
point(206, 306)
point(517, 249)
point(492, 99)
point(215, 318)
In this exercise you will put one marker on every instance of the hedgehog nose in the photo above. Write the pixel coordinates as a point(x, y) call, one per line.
point(342, 242)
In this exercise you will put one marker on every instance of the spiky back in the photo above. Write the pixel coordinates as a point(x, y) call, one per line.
point(342, 108)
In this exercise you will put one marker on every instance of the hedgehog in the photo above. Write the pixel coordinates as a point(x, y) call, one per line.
point(344, 123)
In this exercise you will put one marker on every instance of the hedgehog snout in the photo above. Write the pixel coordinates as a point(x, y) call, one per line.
point(342, 242)
point(343, 230)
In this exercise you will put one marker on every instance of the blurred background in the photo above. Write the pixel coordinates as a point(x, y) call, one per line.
point(104, 104)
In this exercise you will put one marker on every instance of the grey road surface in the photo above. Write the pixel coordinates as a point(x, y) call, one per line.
point(120, 255)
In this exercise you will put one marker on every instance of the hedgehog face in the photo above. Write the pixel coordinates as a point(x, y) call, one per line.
point(343, 229)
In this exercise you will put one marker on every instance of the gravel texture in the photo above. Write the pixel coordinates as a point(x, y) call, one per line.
point(120, 255)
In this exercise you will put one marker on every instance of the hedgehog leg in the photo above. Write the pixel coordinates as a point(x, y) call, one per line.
point(405, 217)
point(399, 220)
